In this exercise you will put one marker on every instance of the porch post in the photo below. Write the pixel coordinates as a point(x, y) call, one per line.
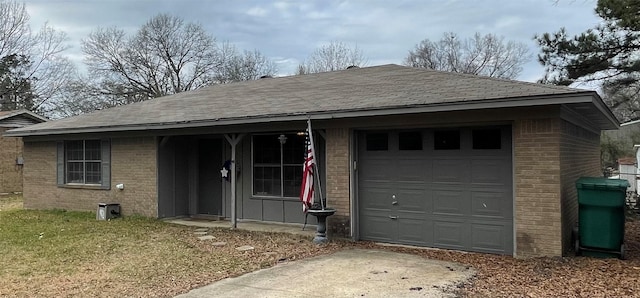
point(233, 140)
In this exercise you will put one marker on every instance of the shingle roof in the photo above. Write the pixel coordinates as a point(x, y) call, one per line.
point(378, 89)
point(22, 113)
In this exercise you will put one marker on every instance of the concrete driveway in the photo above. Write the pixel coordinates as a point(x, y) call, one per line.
point(348, 273)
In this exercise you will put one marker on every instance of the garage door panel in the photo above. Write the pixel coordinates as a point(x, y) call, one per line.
point(418, 170)
point(412, 197)
point(378, 228)
point(377, 169)
point(414, 231)
point(452, 200)
point(449, 170)
point(490, 204)
point(490, 171)
point(375, 195)
point(449, 234)
point(492, 238)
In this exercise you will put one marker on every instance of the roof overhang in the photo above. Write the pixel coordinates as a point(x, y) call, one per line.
point(588, 104)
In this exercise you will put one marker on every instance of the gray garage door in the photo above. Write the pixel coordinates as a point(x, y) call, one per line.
point(447, 188)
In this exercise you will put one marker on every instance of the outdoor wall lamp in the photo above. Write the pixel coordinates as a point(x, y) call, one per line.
point(283, 139)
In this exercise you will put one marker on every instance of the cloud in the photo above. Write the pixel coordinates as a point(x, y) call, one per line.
point(288, 31)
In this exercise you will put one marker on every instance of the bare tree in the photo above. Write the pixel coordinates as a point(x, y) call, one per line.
point(333, 56)
point(166, 56)
point(245, 66)
point(86, 94)
point(487, 55)
point(47, 69)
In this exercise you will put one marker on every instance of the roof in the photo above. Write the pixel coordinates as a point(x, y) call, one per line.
point(19, 118)
point(630, 123)
point(627, 161)
point(367, 91)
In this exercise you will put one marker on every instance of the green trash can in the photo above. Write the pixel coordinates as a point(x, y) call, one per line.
point(601, 215)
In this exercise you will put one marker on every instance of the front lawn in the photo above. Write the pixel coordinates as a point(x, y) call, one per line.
point(58, 254)
point(61, 254)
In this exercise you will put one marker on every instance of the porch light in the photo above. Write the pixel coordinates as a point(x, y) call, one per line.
point(283, 139)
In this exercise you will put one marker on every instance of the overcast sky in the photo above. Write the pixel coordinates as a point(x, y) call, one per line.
point(288, 31)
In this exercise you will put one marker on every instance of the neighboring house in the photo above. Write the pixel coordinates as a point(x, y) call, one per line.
point(11, 148)
point(628, 170)
point(406, 155)
point(620, 143)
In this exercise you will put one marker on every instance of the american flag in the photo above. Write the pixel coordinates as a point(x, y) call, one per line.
point(306, 192)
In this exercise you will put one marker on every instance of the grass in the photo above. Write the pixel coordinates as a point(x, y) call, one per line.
point(70, 254)
point(10, 202)
point(64, 254)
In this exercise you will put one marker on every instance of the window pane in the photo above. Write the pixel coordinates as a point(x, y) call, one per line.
point(293, 151)
point(92, 150)
point(446, 140)
point(487, 138)
point(266, 149)
point(410, 140)
point(266, 181)
point(73, 150)
point(292, 180)
point(377, 142)
point(93, 175)
point(75, 172)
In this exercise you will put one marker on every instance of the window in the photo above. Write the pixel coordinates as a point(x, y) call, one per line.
point(84, 162)
point(377, 142)
point(410, 140)
point(446, 140)
point(487, 138)
point(277, 164)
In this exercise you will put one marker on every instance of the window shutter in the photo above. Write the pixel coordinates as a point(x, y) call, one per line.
point(105, 146)
point(60, 163)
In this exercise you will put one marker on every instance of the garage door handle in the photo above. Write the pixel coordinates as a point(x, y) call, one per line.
point(393, 217)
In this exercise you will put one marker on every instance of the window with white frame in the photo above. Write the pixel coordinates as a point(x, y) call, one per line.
point(277, 164)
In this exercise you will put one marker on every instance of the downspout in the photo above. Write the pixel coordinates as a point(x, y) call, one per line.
point(233, 140)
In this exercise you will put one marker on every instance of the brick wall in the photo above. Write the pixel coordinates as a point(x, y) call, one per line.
point(10, 173)
point(338, 183)
point(133, 162)
point(579, 156)
point(537, 187)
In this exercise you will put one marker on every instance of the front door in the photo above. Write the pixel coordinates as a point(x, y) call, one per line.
point(209, 177)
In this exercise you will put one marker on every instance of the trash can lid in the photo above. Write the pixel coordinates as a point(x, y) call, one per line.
point(602, 182)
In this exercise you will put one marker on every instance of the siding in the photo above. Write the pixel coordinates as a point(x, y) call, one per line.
point(133, 162)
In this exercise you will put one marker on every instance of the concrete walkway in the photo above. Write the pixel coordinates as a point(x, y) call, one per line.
point(258, 226)
point(348, 273)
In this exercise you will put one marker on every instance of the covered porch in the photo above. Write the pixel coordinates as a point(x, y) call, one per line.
point(200, 175)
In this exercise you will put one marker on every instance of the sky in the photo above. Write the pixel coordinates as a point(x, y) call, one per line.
point(287, 32)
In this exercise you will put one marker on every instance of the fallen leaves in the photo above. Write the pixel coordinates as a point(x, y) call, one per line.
point(504, 276)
